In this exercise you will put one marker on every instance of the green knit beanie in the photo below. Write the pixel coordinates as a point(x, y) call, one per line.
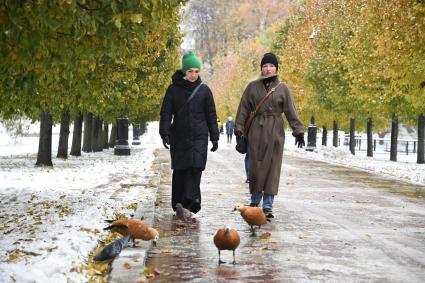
point(190, 61)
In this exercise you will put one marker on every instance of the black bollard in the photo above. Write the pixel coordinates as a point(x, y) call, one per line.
point(311, 138)
point(324, 136)
point(121, 144)
point(136, 134)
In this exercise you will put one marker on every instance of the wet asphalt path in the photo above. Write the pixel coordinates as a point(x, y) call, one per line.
point(333, 224)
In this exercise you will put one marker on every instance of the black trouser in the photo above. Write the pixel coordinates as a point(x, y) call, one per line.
point(229, 138)
point(186, 189)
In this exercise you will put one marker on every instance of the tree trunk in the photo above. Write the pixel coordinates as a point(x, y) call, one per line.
point(369, 137)
point(421, 139)
point(324, 136)
point(100, 135)
point(44, 155)
point(63, 136)
point(88, 125)
point(142, 129)
point(113, 136)
point(95, 135)
point(352, 136)
point(394, 139)
point(105, 135)
point(335, 134)
point(76, 135)
point(382, 135)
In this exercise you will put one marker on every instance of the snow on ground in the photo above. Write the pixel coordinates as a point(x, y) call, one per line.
point(405, 168)
point(51, 218)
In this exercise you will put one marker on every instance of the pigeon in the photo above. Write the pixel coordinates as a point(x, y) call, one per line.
point(112, 250)
point(135, 228)
point(254, 216)
point(226, 239)
point(182, 213)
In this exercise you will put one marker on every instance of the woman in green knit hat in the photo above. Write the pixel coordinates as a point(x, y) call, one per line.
point(188, 117)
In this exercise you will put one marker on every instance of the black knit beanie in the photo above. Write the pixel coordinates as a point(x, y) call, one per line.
point(270, 58)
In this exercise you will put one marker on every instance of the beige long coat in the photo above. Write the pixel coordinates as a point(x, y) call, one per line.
point(266, 137)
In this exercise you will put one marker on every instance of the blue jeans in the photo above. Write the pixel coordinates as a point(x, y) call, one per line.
point(247, 165)
point(267, 199)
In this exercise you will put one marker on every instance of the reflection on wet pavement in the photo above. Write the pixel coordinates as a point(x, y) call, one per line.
point(332, 224)
point(187, 253)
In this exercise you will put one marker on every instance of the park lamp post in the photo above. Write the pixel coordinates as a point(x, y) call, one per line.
point(312, 129)
point(121, 144)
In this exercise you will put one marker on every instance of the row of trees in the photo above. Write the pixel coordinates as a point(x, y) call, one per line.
point(231, 74)
point(346, 61)
point(350, 67)
point(83, 58)
point(349, 60)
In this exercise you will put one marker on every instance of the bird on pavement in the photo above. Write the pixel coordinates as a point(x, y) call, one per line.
point(226, 239)
point(113, 249)
point(182, 213)
point(136, 228)
point(254, 216)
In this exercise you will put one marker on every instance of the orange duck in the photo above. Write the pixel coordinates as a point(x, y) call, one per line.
point(137, 229)
point(226, 239)
point(254, 216)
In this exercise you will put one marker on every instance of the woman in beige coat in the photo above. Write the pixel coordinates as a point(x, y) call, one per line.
point(266, 136)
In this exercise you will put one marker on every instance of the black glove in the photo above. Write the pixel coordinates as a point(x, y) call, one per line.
point(299, 140)
point(238, 134)
point(241, 143)
point(215, 146)
point(166, 142)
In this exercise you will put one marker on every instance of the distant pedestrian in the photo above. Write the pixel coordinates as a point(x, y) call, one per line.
point(266, 136)
point(188, 117)
point(230, 127)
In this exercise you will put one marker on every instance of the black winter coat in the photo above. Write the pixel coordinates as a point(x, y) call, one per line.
point(188, 131)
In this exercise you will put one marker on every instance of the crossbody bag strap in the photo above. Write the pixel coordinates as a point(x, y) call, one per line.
point(265, 98)
point(253, 114)
point(190, 98)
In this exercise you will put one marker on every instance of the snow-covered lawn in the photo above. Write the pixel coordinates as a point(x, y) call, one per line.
point(50, 219)
point(405, 168)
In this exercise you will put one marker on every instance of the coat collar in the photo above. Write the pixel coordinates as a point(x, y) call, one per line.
point(259, 86)
point(178, 80)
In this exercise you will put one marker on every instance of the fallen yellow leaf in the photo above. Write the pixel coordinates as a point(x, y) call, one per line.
point(147, 271)
point(126, 265)
point(265, 235)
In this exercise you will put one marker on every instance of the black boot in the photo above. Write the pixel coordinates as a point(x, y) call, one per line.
point(194, 206)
